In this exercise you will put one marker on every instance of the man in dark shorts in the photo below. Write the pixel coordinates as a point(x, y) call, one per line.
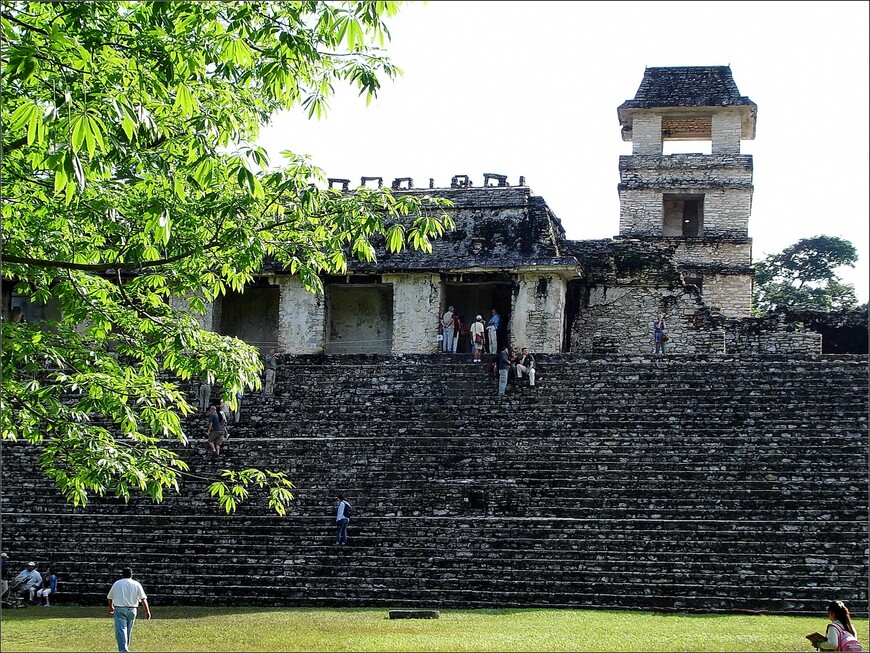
point(216, 431)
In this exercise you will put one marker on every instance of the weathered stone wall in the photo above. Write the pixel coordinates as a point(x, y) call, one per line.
point(619, 319)
point(725, 182)
point(726, 131)
point(647, 137)
point(842, 332)
point(729, 294)
point(301, 318)
point(360, 318)
point(734, 253)
point(774, 333)
point(685, 483)
point(538, 317)
point(416, 312)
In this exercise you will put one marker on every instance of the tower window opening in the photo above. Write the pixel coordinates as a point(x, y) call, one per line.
point(683, 215)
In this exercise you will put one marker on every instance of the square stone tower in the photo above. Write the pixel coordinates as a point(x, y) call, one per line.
point(699, 204)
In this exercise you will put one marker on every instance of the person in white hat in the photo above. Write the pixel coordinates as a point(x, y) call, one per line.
point(476, 330)
point(27, 582)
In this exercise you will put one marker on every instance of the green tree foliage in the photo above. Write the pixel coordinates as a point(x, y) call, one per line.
point(132, 188)
point(804, 276)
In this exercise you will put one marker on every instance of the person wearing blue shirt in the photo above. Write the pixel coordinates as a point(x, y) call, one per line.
point(492, 331)
point(342, 519)
point(49, 586)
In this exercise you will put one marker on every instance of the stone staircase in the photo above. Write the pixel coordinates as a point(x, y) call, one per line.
point(682, 483)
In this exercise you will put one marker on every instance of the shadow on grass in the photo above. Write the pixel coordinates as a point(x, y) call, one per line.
point(171, 612)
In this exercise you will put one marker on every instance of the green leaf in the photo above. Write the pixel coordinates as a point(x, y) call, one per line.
point(79, 127)
point(96, 128)
point(178, 189)
point(129, 127)
point(185, 102)
point(60, 180)
point(395, 238)
point(35, 128)
point(78, 171)
point(22, 115)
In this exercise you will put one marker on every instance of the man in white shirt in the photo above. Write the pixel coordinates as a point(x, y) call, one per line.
point(124, 599)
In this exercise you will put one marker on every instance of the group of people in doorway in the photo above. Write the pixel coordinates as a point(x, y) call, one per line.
point(460, 335)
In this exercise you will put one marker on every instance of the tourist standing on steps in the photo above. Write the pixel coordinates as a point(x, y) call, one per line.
point(476, 332)
point(124, 599)
point(504, 365)
point(457, 330)
point(447, 330)
point(270, 365)
point(492, 331)
point(660, 335)
point(204, 393)
point(237, 415)
point(342, 519)
point(216, 431)
point(224, 412)
point(526, 365)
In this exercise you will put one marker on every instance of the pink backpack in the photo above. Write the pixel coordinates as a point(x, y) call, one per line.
point(846, 641)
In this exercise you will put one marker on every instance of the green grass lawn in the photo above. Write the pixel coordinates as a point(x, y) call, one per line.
point(63, 628)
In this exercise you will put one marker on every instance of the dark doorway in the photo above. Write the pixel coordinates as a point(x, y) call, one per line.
point(360, 318)
point(576, 298)
point(470, 299)
point(251, 316)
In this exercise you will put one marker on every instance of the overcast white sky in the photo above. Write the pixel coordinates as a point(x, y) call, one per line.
point(531, 88)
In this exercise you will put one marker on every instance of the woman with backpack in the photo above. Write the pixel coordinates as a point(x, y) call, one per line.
point(841, 633)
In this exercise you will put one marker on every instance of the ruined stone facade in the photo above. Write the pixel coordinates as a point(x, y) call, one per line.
point(731, 477)
point(682, 250)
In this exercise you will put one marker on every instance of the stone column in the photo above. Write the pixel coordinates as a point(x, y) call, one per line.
point(301, 318)
point(537, 320)
point(726, 133)
point(646, 137)
point(416, 302)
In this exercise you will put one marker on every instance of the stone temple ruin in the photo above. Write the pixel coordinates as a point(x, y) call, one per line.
point(729, 475)
point(683, 250)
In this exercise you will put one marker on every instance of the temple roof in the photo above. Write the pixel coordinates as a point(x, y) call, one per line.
point(496, 229)
point(688, 96)
point(687, 86)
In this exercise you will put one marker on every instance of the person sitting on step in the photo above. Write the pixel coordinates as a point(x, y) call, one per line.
point(526, 365)
point(49, 586)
